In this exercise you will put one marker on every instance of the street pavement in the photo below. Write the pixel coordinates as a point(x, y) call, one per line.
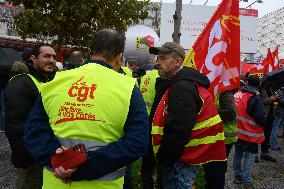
point(266, 174)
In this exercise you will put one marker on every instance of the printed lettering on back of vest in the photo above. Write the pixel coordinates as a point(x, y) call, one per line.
point(82, 91)
point(145, 85)
point(238, 96)
point(80, 104)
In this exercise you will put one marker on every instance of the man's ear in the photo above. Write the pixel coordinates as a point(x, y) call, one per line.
point(120, 57)
point(116, 62)
point(33, 58)
point(179, 61)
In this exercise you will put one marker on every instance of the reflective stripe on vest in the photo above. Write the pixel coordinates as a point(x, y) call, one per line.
point(196, 142)
point(230, 131)
point(207, 123)
point(147, 88)
point(246, 120)
point(207, 137)
point(251, 134)
point(93, 146)
point(206, 140)
point(233, 134)
point(149, 104)
point(88, 105)
point(248, 129)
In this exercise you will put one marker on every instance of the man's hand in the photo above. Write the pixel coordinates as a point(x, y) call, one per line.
point(60, 172)
point(275, 97)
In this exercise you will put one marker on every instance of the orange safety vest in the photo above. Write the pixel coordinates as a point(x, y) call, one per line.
point(248, 130)
point(207, 141)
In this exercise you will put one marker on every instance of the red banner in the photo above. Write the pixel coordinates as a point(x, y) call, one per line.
point(257, 69)
point(216, 52)
point(246, 67)
point(268, 62)
point(275, 58)
point(248, 12)
point(264, 67)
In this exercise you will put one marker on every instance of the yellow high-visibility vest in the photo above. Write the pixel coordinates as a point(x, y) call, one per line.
point(230, 129)
point(147, 88)
point(87, 105)
point(127, 71)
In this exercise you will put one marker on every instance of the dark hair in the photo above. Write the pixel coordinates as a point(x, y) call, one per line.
point(253, 80)
point(108, 43)
point(27, 53)
point(76, 57)
point(36, 49)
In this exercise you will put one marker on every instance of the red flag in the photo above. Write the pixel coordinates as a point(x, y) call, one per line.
point(275, 58)
point(268, 62)
point(264, 67)
point(257, 69)
point(245, 67)
point(216, 52)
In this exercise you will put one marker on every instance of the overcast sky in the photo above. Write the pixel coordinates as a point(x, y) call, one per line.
point(264, 8)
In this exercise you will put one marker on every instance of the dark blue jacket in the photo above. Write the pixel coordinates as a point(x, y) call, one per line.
point(42, 143)
point(255, 106)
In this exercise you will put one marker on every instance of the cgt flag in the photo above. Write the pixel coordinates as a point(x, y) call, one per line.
point(264, 67)
point(257, 69)
point(216, 52)
point(275, 58)
point(268, 62)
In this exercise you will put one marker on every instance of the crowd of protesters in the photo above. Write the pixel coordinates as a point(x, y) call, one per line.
point(166, 116)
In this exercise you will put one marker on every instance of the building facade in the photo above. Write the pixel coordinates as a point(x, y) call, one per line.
point(271, 32)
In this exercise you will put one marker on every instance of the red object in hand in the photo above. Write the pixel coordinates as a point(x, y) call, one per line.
point(71, 158)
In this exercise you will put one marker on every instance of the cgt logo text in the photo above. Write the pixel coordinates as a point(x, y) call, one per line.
point(81, 91)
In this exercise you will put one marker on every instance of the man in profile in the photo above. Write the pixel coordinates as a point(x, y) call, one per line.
point(186, 129)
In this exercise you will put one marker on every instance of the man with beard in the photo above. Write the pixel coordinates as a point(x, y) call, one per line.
point(20, 95)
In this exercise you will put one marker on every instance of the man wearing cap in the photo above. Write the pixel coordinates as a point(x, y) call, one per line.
point(186, 128)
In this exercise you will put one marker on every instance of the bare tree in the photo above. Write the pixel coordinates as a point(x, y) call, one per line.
point(177, 21)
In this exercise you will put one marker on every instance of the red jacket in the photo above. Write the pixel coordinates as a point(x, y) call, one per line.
point(248, 130)
point(207, 137)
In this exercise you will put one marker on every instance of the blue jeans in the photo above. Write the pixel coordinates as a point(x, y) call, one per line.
point(179, 176)
point(273, 137)
point(245, 171)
